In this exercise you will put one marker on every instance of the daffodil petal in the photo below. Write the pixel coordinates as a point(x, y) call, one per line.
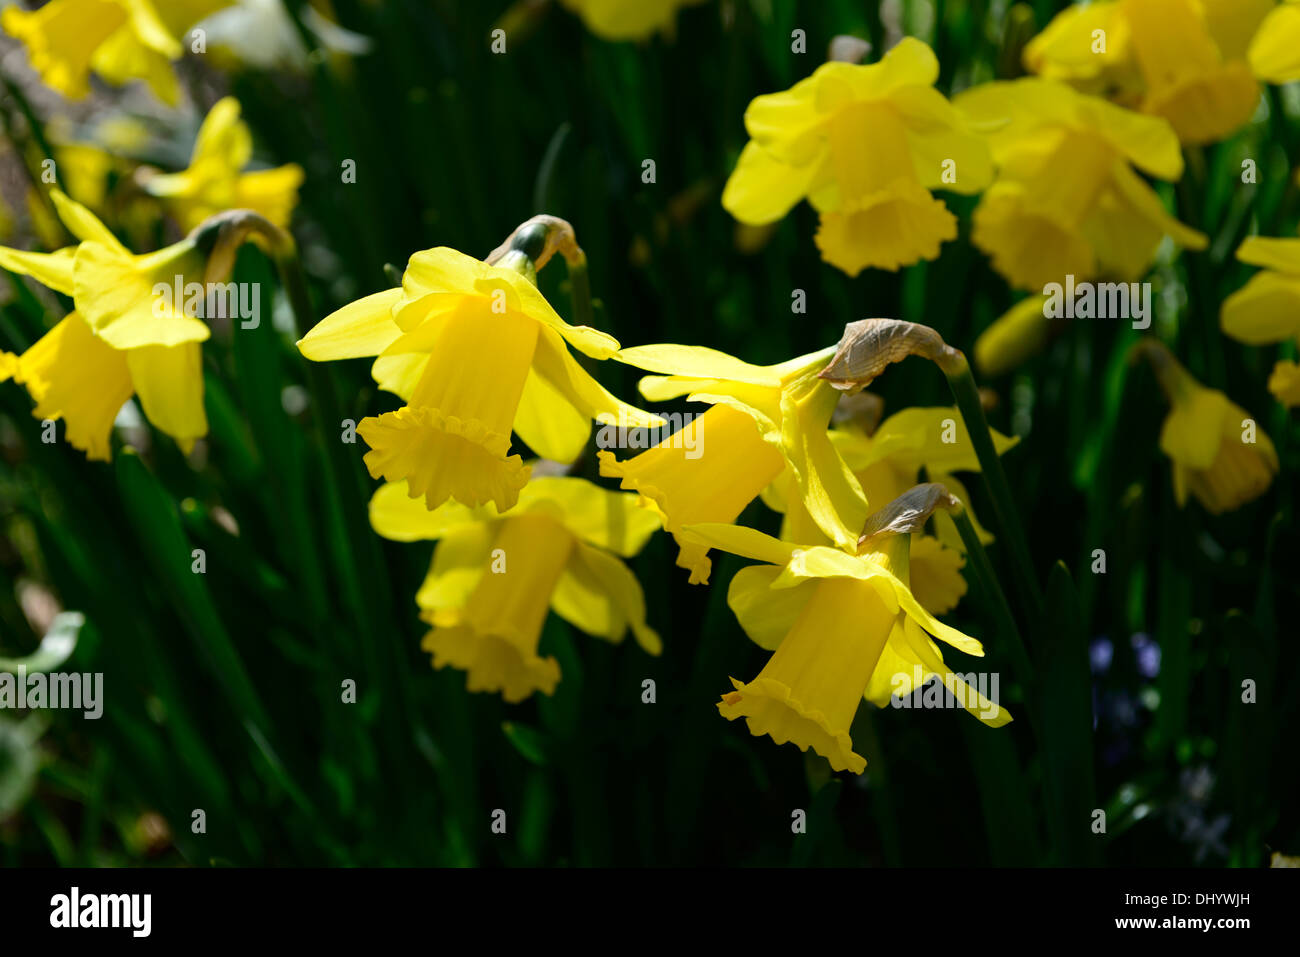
point(601, 596)
point(361, 328)
point(765, 613)
point(395, 515)
point(169, 383)
point(1282, 255)
point(598, 516)
point(549, 423)
point(745, 542)
point(462, 557)
point(1265, 310)
point(49, 269)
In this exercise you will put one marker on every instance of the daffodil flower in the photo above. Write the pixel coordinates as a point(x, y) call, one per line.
point(865, 145)
point(764, 420)
point(628, 19)
point(1267, 308)
point(476, 351)
point(120, 40)
point(841, 627)
point(214, 181)
point(122, 339)
point(1275, 50)
point(887, 463)
point(1218, 451)
point(1184, 60)
point(493, 576)
point(1067, 201)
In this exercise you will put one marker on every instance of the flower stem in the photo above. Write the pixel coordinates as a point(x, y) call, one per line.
point(957, 370)
point(987, 580)
point(580, 289)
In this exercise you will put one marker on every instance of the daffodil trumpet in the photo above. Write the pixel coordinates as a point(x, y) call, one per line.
point(869, 346)
point(842, 627)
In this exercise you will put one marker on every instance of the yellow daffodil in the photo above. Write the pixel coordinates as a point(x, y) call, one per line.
point(1184, 60)
point(75, 376)
point(120, 40)
point(494, 576)
point(1267, 308)
point(1275, 50)
point(887, 463)
point(1014, 337)
point(1067, 201)
point(841, 627)
point(123, 338)
point(764, 420)
point(476, 351)
point(214, 181)
point(1218, 451)
point(628, 19)
point(865, 145)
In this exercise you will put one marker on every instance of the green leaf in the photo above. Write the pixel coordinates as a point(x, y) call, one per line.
point(1066, 702)
point(532, 744)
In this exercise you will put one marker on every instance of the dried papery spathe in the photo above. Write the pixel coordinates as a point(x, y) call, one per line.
point(908, 513)
point(869, 345)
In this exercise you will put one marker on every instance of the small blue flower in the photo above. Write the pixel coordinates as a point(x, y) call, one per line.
point(1100, 654)
point(1147, 653)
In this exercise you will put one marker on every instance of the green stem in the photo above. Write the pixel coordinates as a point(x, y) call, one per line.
point(580, 290)
point(957, 370)
point(987, 579)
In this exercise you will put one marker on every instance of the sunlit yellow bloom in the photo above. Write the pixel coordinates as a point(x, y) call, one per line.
point(476, 351)
point(841, 627)
point(494, 577)
point(1014, 337)
point(628, 19)
point(213, 182)
point(139, 341)
point(1275, 50)
point(1066, 200)
point(1218, 451)
point(1184, 60)
point(121, 40)
point(1267, 308)
point(765, 421)
point(865, 145)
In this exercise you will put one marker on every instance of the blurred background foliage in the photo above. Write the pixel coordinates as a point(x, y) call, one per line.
point(223, 690)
